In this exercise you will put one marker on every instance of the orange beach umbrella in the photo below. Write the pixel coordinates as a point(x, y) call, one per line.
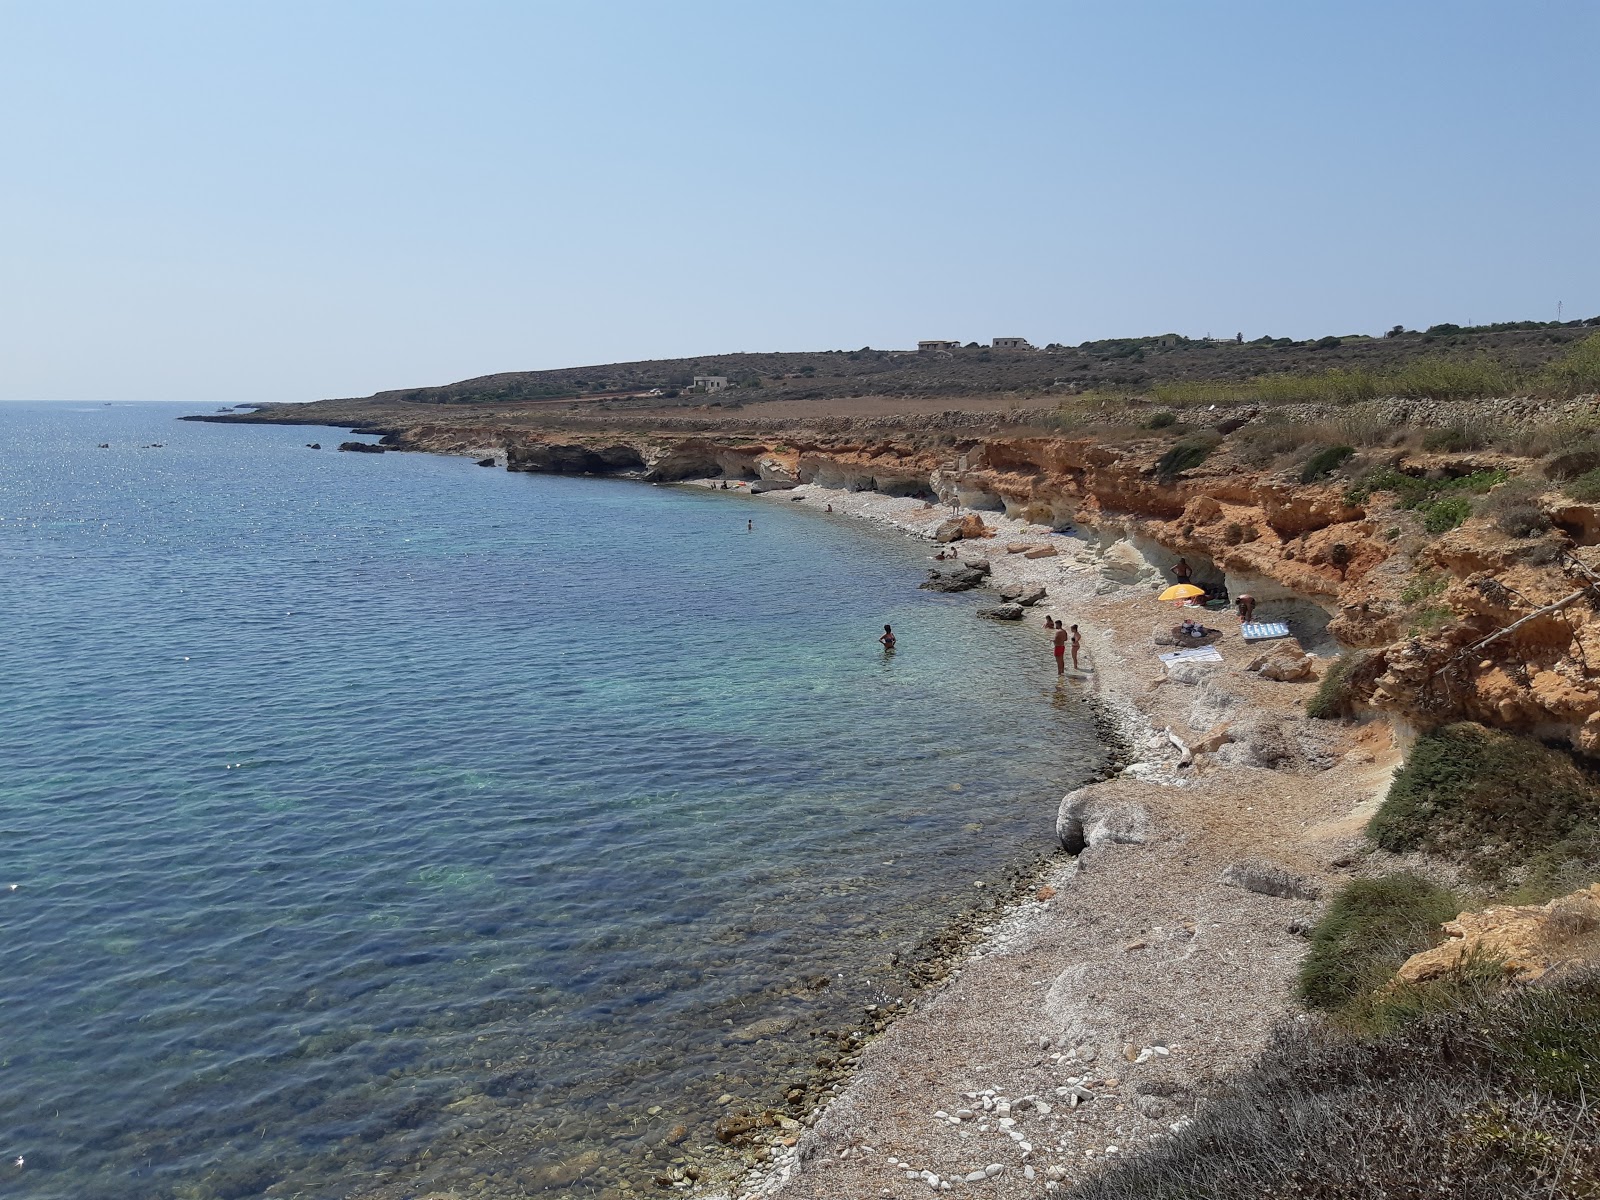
point(1182, 591)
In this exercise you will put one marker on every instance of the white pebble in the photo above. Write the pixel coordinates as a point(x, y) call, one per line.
point(940, 1115)
point(1027, 1172)
point(993, 1169)
point(1006, 1122)
point(1025, 1147)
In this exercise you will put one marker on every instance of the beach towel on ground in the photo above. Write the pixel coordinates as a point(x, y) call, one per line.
point(1201, 654)
point(1260, 631)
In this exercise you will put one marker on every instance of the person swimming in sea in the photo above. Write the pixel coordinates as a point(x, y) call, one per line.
point(887, 639)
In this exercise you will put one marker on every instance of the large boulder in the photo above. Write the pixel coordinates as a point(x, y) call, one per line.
point(361, 447)
point(956, 528)
point(957, 581)
point(1040, 552)
point(1032, 596)
point(1005, 612)
point(1284, 662)
point(1090, 817)
point(771, 485)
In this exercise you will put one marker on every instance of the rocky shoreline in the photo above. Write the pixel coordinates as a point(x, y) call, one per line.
point(1097, 1008)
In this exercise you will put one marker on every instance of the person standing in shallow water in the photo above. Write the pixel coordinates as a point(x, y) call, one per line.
point(750, 524)
point(1077, 640)
point(887, 640)
point(1060, 649)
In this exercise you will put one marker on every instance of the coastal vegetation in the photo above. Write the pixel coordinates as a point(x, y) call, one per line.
point(1516, 816)
point(1488, 1098)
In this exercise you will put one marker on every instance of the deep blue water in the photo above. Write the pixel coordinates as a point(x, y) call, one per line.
point(384, 822)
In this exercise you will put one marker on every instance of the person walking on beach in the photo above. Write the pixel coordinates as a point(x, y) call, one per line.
point(887, 639)
point(1061, 649)
point(1077, 640)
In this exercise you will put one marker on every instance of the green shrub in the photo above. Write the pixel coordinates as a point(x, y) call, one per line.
point(1333, 697)
point(1505, 807)
point(1161, 420)
point(1187, 453)
point(1371, 927)
point(1325, 462)
point(1443, 515)
point(1585, 489)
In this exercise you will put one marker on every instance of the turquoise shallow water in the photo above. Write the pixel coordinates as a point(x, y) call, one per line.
point(383, 823)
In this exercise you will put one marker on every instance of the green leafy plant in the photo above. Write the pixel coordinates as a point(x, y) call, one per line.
point(1446, 513)
point(1187, 453)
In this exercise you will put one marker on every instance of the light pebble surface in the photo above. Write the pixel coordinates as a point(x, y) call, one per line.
point(1140, 947)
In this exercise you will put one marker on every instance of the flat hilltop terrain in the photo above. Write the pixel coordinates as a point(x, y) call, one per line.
point(834, 382)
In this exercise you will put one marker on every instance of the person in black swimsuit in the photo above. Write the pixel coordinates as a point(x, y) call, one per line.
point(888, 638)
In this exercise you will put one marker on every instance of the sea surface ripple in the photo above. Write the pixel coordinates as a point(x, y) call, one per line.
point(383, 823)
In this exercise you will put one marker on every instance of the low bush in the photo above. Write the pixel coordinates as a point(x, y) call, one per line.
point(1453, 439)
point(1514, 508)
point(1577, 371)
point(1334, 697)
point(1325, 462)
point(1489, 1100)
point(1585, 489)
point(1161, 420)
point(1371, 927)
point(1509, 810)
point(1187, 453)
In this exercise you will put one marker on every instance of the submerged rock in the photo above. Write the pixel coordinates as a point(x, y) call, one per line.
point(1005, 612)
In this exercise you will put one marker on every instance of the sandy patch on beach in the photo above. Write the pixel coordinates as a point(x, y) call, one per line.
point(1111, 1005)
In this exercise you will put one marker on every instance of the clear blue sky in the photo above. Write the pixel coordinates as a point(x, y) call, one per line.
point(283, 201)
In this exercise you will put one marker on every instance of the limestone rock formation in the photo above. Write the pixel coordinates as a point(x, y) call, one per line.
point(1529, 940)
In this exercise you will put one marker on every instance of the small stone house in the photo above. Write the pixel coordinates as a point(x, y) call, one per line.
point(936, 345)
point(1011, 344)
point(710, 383)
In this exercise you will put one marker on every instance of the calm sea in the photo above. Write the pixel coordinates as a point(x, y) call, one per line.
point(383, 824)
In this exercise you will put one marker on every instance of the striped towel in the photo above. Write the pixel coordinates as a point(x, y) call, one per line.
point(1259, 631)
